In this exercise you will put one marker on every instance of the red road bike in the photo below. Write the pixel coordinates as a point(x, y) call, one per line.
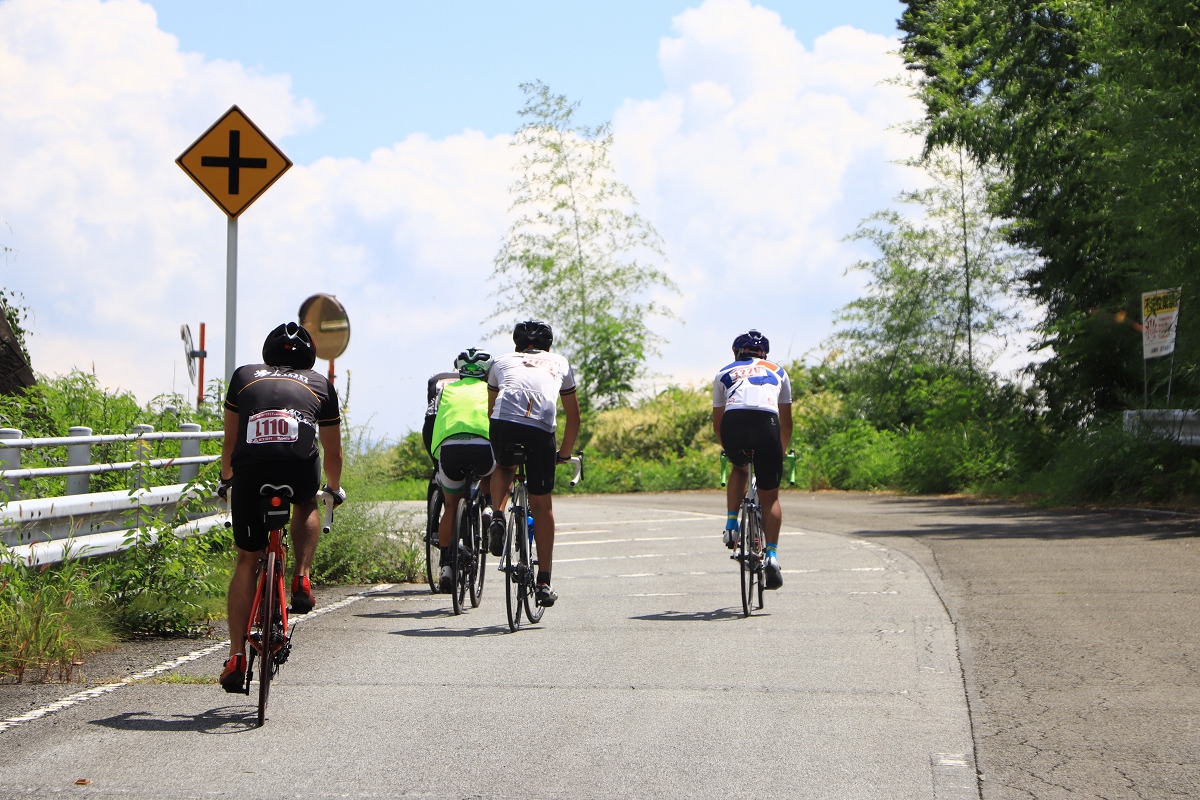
point(268, 637)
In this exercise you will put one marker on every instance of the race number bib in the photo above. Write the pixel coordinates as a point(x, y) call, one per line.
point(266, 427)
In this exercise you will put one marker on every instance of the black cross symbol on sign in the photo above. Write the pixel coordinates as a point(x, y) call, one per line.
point(234, 162)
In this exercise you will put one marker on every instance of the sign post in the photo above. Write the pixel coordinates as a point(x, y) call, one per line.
point(233, 162)
point(1160, 324)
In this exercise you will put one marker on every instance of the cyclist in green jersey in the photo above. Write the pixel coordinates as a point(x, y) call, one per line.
point(460, 444)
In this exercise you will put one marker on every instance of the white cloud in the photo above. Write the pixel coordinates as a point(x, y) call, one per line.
point(754, 163)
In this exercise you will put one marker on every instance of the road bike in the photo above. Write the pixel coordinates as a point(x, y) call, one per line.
point(434, 503)
point(519, 561)
point(751, 542)
point(468, 569)
point(268, 636)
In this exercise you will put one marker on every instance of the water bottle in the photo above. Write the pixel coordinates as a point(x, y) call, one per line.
point(529, 520)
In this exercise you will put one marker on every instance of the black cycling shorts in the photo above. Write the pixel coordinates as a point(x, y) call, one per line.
point(541, 452)
point(745, 429)
point(456, 460)
point(250, 532)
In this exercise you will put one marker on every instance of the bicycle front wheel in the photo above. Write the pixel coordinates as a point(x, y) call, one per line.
point(529, 599)
point(433, 516)
point(266, 611)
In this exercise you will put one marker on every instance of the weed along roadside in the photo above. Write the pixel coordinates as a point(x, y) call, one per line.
point(55, 617)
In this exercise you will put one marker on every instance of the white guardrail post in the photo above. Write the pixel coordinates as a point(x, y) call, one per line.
point(79, 455)
point(189, 447)
point(141, 452)
point(10, 458)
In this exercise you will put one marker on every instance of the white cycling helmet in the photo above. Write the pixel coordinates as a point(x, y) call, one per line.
point(473, 362)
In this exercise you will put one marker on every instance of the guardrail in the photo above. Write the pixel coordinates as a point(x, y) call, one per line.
point(86, 523)
point(1167, 423)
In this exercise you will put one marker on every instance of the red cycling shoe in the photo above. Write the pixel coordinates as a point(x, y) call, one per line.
point(302, 596)
point(233, 678)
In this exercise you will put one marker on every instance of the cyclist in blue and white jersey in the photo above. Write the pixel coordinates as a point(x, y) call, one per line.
point(752, 411)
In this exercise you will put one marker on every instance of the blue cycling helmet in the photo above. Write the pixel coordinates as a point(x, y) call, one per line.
point(533, 333)
point(289, 345)
point(751, 342)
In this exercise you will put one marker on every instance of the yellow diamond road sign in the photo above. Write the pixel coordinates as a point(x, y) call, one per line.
point(234, 162)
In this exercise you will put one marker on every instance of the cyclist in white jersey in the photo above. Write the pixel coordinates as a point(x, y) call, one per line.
point(523, 389)
point(752, 412)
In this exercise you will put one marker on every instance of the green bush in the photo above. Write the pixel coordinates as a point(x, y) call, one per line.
point(1104, 464)
point(370, 543)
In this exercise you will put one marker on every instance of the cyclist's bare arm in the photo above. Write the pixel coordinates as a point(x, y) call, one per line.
point(231, 432)
point(571, 431)
point(785, 425)
point(331, 449)
point(718, 413)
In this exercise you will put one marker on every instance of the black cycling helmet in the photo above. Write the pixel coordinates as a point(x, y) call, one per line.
point(751, 342)
point(289, 345)
point(533, 333)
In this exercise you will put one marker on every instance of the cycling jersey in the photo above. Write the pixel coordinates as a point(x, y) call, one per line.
point(432, 392)
point(753, 384)
point(279, 410)
point(461, 411)
point(529, 384)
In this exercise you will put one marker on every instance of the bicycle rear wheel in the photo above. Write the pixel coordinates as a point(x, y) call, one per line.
point(533, 611)
point(478, 555)
point(513, 565)
point(433, 515)
point(266, 613)
point(749, 556)
point(459, 571)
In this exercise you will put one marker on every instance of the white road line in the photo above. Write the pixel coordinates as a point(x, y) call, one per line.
point(166, 666)
point(618, 541)
point(620, 558)
point(641, 575)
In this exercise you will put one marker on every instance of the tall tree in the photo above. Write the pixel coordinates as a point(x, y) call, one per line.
point(938, 296)
point(1092, 110)
point(572, 257)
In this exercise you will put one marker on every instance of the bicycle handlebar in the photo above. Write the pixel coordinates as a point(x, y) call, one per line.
point(577, 460)
point(327, 499)
point(322, 497)
point(789, 466)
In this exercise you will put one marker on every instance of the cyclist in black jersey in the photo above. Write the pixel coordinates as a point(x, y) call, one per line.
point(275, 412)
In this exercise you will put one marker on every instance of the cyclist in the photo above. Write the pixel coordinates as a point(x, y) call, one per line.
point(523, 388)
point(274, 414)
point(752, 411)
point(460, 443)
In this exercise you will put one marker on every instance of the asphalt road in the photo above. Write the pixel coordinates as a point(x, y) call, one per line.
point(1078, 633)
point(644, 681)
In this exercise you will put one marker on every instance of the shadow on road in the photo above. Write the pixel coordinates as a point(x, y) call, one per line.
point(227, 719)
point(491, 630)
point(993, 520)
point(425, 613)
point(696, 616)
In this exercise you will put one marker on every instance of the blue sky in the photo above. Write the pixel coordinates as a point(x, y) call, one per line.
point(380, 71)
point(755, 137)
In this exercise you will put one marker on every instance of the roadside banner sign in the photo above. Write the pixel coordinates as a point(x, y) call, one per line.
point(234, 162)
point(1160, 320)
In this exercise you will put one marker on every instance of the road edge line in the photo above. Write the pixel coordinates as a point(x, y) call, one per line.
point(166, 666)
